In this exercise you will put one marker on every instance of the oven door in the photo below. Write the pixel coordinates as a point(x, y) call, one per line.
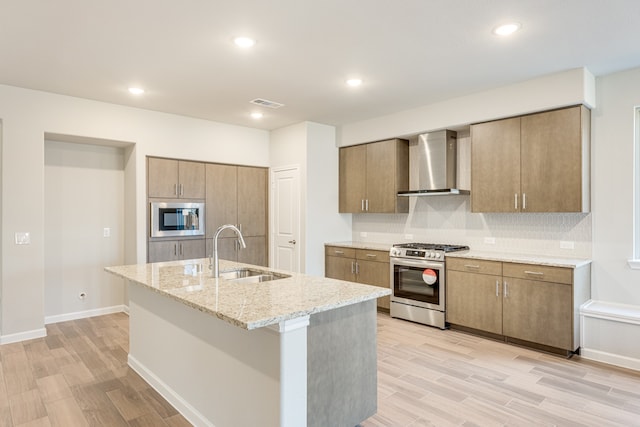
point(419, 283)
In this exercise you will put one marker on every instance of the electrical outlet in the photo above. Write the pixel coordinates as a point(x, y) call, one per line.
point(408, 236)
point(106, 232)
point(363, 234)
point(567, 245)
point(490, 240)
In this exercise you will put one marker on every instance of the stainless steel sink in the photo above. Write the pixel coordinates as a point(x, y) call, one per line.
point(249, 275)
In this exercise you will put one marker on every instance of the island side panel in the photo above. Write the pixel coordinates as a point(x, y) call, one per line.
point(342, 366)
point(214, 373)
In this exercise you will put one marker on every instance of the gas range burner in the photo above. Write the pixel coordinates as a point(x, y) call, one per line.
point(431, 247)
point(432, 251)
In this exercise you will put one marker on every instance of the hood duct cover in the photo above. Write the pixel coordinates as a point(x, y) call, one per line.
point(433, 165)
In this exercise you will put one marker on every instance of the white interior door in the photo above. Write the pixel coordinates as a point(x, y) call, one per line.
point(285, 184)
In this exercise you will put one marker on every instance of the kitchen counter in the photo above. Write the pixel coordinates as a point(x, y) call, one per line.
point(521, 258)
point(248, 306)
point(362, 245)
point(292, 352)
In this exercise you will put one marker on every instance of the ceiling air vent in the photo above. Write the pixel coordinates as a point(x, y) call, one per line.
point(266, 103)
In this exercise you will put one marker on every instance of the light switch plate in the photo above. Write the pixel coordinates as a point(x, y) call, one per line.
point(490, 240)
point(363, 234)
point(567, 245)
point(23, 238)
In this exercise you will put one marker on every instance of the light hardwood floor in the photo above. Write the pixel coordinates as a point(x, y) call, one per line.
point(78, 376)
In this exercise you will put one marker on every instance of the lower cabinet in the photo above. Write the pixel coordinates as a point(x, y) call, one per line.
point(174, 250)
point(532, 303)
point(369, 267)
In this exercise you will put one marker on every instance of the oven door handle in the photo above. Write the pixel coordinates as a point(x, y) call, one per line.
point(401, 262)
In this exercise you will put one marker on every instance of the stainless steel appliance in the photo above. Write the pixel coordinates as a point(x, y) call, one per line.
point(433, 161)
point(418, 282)
point(177, 219)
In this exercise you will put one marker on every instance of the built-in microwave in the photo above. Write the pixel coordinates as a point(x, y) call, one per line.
point(177, 219)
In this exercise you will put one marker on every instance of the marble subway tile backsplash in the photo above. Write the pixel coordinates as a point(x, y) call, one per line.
point(448, 219)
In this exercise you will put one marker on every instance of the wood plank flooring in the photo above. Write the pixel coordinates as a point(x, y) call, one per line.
point(78, 376)
point(429, 377)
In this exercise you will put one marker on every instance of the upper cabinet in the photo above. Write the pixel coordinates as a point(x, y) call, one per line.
point(371, 176)
point(533, 163)
point(172, 179)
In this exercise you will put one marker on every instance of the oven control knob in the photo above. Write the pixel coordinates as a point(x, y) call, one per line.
point(431, 255)
point(437, 255)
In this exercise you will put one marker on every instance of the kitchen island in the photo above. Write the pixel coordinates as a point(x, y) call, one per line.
point(294, 351)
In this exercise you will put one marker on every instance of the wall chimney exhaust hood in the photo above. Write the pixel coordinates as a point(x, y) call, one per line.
point(433, 165)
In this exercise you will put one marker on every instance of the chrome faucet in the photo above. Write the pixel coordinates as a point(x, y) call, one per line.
point(214, 255)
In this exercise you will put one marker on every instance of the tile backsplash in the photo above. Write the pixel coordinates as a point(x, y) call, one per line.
point(448, 219)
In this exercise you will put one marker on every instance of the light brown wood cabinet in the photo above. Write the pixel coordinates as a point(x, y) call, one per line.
point(533, 163)
point(522, 302)
point(175, 179)
point(371, 176)
point(369, 267)
point(238, 195)
point(175, 250)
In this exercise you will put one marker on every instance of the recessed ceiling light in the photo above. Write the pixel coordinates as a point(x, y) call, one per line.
point(256, 115)
point(354, 82)
point(136, 91)
point(506, 29)
point(244, 42)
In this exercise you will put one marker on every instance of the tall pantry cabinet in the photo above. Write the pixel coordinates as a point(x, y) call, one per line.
point(238, 195)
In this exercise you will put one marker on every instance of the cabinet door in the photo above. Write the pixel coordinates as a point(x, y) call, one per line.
point(539, 312)
point(191, 180)
point(256, 251)
point(340, 268)
point(474, 300)
point(162, 177)
point(376, 274)
point(495, 166)
point(383, 175)
point(352, 182)
point(552, 161)
point(164, 250)
point(191, 249)
point(252, 201)
point(222, 198)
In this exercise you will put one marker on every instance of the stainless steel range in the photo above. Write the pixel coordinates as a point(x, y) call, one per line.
point(418, 282)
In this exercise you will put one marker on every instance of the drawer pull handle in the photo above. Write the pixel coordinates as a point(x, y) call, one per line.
point(339, 252)
point(535, 273)
point(497, 288)
point(471, 266)
point(372, 256)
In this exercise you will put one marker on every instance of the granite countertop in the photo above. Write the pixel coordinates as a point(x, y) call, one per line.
point(521, 258)
point(362, 245)
point(246, 305)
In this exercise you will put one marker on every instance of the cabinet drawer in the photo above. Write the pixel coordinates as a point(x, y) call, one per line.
point(474, 266)
point(380, 256)
point(340, 251)
point(538, 272)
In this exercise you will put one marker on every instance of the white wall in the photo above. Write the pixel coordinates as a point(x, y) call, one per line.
point(312, 146)
point(26, 116)
point(84, 194)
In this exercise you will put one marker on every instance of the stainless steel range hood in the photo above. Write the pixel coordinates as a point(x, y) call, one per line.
point(433, 165)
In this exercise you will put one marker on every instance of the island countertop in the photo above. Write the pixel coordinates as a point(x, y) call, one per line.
point(246, 305)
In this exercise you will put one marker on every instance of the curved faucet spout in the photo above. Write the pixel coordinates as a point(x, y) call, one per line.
point(214, 259)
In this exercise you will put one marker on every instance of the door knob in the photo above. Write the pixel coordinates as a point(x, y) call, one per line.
point(293, 242)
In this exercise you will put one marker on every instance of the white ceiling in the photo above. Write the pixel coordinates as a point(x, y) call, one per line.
point(408, 52)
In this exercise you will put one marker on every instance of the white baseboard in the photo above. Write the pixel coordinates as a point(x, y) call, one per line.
point(611, 359)
point(23, 336)
point(189, 412)
point(84, 314)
